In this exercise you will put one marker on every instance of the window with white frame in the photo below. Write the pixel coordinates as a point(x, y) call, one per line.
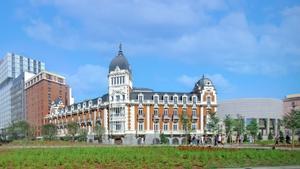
point(118, 98)
point(140, 99)
point(141, 126)
point(140, 112)
point(184, 99)
point(175, 112)
point(156, 128)
point(156, 99)
point(193, 126)
point(166, 126)
point(208, 101)
point(194, 113)
point(166, 99)
point(166, 112)
point(175, 126)
point(118, 126)
point(155, 112)
point(175, 99)
point(194, 99)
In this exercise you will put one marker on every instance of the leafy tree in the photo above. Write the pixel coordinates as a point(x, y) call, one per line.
point(99, 132)
point(252, 127)
point(229, 125)
point(239, 126)
point(281, 137)
point(186, 124)
point(213, 123)
point(19, 130)
point(291, 121)
point(163, 139)
point(245, 138)
point(270, 136)
point(49, 131)
point(259, 136)
point(82, 135)
point(73, 128)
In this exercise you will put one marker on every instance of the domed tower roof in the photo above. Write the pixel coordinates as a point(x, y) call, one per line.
point(119, 61)
point(204, 81)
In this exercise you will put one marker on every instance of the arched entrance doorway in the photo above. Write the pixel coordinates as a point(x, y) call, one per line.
point(156, 141)
point(175, 141)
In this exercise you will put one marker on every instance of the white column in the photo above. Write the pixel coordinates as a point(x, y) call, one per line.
point(132, 118)
point(148, 117)
point(202, 120)
point(105, 120)
point(126, 118)
point(268, 126)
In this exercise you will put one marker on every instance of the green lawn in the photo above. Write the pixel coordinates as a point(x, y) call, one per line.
point(143, 157)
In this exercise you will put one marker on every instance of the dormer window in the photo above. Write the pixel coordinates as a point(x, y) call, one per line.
point(175, 99)
point(184, 99)
point(99, 101)
point(84, 105)
point(72, 108)
point(140, 98)
point(155, 99)
point(166, 98)
point(194, 99)
point(78, 106)
point(90, 103)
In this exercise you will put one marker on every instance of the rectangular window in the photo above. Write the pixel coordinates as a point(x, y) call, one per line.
point(155, 127)
point(166, 126)
point(175, 112)
point(117, 80)
point(194, 100)
point(156, 99)
point(193, 126)
point(194, 113)
point(166, 100)
point(118, 98)
point(140, 112)
point(118, 126)
point(141, 126)
point(175, 127)
point(184, 100)
point(155, 112)
point(208, 101)
point(140, 99)
point(175, 100)
point(165, 112)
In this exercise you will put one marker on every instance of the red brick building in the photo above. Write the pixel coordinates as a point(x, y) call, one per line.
point(41, 90)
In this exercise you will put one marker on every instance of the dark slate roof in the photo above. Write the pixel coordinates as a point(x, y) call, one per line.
point(204, 81)
point(141, 89)
point(119, 61)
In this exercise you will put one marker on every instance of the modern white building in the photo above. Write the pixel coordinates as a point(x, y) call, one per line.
point(11, 67)
point(267, 112)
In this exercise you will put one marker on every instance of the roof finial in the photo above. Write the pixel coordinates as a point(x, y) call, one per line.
point(120, 47)
point(203, 76)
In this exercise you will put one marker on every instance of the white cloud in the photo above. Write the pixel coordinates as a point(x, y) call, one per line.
point(88, 79)
point(185, 30)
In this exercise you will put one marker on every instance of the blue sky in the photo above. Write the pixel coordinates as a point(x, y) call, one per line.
point(248, 48)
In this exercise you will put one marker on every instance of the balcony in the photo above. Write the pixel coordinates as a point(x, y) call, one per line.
point(141, 117)
point(175, 118)
point(194, 118)
point(155, 118)
point(166, 118)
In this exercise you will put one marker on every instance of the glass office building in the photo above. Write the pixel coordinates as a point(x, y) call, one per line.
point(11, 87)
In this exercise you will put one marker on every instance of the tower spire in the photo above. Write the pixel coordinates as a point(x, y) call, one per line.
point(120, 49)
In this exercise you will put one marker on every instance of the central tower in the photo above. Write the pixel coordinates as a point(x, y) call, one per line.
point(119, 87)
